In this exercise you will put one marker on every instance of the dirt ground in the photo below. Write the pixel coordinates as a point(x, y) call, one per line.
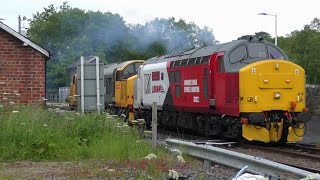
point(103, 170)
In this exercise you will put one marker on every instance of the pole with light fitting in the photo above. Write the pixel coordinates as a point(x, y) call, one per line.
point(19, 22)
point(275, 16)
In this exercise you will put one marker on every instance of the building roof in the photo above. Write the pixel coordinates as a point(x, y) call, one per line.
point(24, 39)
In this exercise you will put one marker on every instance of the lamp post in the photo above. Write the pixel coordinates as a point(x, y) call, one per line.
point(19, 22)
point(275, 16)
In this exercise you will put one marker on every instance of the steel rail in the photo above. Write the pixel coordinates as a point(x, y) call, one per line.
point(288, 152)
point(256, 165)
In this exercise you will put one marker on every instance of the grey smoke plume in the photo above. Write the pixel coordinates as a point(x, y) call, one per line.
point(174, 35)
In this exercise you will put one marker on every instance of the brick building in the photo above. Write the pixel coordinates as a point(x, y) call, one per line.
point(22, 68)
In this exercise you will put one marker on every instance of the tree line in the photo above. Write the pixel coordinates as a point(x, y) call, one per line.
point(69, 33)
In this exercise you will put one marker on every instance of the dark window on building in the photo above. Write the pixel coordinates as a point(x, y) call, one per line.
point(177, 89)
point(205, 60)
point(238, 54)
point(221, 64)
point(274, 53)
point(257, 50)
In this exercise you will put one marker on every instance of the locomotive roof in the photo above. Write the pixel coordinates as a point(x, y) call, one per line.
point(205, 51)
point(109, 68)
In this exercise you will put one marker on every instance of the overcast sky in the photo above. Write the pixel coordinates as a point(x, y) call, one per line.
point(229, 19)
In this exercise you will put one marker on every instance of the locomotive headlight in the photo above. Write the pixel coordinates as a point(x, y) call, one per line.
point(277, 95)
point(266, 81)
point(288, 81)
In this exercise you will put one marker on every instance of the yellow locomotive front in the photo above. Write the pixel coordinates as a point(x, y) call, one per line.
point(272, 101)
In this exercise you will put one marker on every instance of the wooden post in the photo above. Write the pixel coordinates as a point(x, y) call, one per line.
point(154, 124)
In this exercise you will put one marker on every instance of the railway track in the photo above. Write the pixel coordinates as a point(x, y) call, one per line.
point(291, 150)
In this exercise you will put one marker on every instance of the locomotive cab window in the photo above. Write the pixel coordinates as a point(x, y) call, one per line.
point(257, 50)
point(238, 54)
point(129, 71)
point(119, 75)
point(274, 53)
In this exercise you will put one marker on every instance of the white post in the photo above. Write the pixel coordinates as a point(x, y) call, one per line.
point(19, 24)
point(82, 84)
point(154, 124)
point(276, 35)
point(98, 84)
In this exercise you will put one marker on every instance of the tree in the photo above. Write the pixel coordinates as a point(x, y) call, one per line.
point(69, 33)
point(261, 34)
point(303, 47)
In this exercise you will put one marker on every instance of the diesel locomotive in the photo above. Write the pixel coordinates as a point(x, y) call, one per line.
point(243, 89)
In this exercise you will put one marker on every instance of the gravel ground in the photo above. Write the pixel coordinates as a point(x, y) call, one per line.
point(280, 157)
point(101, 170)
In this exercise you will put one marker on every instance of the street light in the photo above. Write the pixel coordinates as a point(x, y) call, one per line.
point(19, 22)
point(275, 16)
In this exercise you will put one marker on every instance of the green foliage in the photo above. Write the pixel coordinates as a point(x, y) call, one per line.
point(261, 34)
point(303, 48)
point(69, 33)
point(34, 133)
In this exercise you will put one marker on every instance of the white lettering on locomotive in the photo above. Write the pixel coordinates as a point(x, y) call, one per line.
point(196, 99)
point(191, 89)
point(190, 82)
point(157, 89)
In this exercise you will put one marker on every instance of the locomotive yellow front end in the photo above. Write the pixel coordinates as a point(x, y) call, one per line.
point(272, 101)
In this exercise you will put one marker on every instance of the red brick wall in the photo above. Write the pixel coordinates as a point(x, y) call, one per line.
point(22, 71)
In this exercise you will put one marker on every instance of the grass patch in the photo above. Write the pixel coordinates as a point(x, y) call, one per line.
point(33, 133)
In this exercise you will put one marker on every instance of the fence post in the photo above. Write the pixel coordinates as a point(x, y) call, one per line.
point(98, 83)
point(82, 83)
point(154, 124)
